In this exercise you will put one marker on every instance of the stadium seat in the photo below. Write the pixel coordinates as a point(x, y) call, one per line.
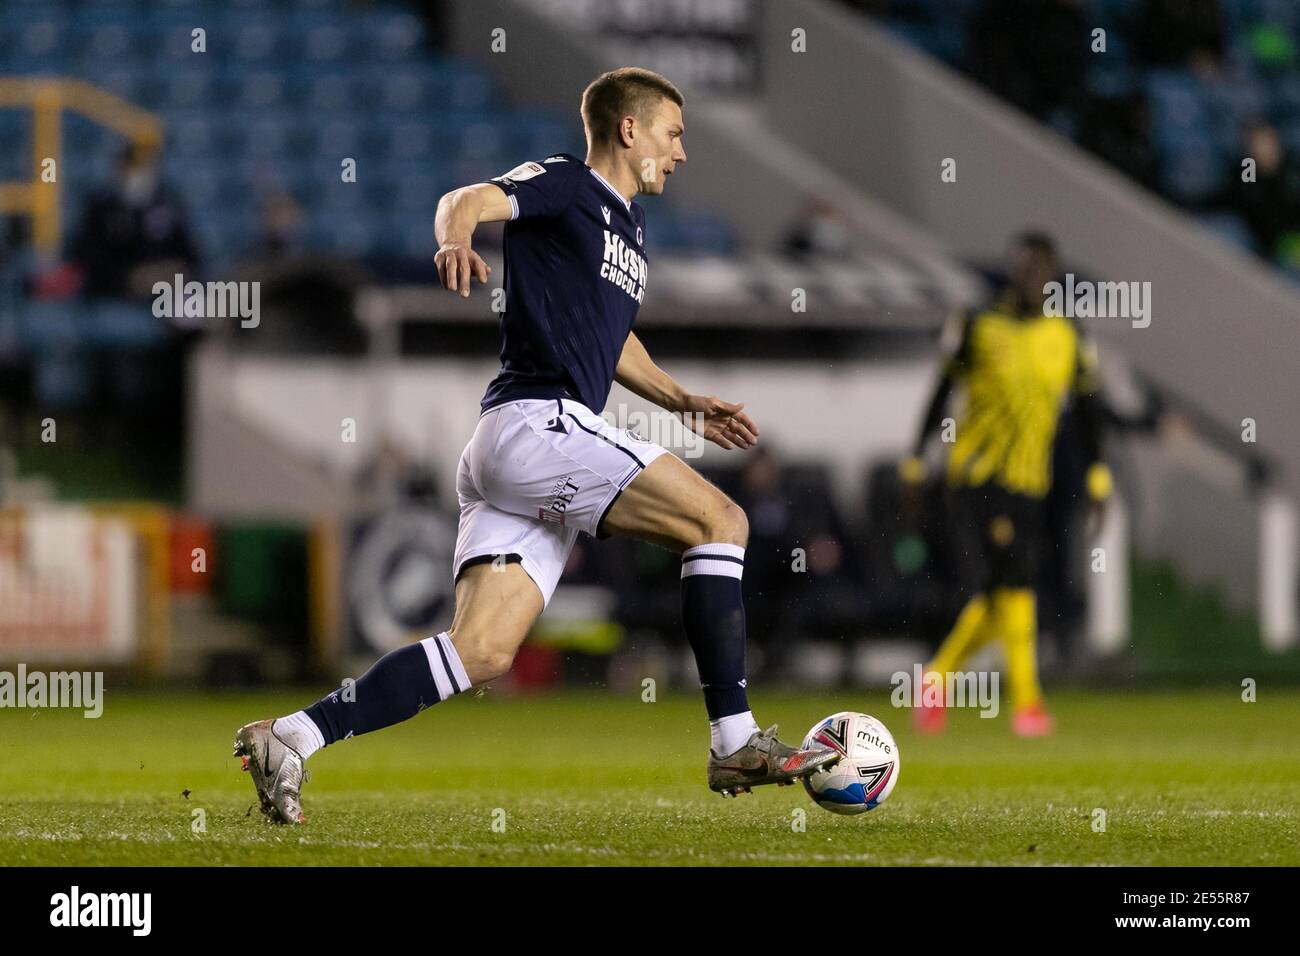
point(1231, 103)
point(703, 233)
point(390, 36)
point(341, 135)
point(53, 326)
point(189, 87)
point(1239, 14)
point(62, 378)
point(1230, 229)
point(1290, 133)
point(1179, 103)
point(349, 236)
point(1194, 169)
point(260, 88)
point(115, 325)
point(1285, 98)
point(945, 39)
point(15, 128)
point(34, 33)
point(286, 90)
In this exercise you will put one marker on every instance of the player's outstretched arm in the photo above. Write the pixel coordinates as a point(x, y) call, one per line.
point(912, 467)
point(1090, 412)
point(723, 423)
point(459, 213)
point(933, 413)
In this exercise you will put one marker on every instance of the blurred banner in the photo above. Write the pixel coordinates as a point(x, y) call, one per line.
point(705, 44)
point(70, 587)
point(396, 576)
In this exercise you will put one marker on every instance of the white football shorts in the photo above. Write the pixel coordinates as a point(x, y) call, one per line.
point(535, 473)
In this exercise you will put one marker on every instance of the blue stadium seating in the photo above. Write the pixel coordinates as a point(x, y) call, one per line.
point(1196, 122)
point(1229, 228)
point(285, 91)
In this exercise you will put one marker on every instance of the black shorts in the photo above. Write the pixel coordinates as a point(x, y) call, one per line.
point(997, 537)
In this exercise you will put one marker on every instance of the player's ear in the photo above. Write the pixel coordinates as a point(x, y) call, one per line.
point(627, 131)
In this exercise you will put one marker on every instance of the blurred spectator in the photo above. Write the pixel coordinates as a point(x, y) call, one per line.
point(1270, 206)
point(801, 581)
point(308, 298)
point(821, 230)
point(1063, 602)
point(1181, 33)
point(761, 493)
point(134, 234)
point(1118, 130)
point(392, 475)
point(876, 8)
point(281, 227)
point(1033, 53)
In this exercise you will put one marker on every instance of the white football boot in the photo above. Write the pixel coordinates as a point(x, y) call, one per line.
point(277, 770)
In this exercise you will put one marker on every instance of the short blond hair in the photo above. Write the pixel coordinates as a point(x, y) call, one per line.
point(630, 91)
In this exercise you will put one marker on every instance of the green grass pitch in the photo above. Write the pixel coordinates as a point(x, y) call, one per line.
point(1183, 778)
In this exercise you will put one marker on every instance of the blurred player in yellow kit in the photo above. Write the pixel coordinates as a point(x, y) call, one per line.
point(1015, 368)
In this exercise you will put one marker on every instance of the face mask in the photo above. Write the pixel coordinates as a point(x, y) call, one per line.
point(829, 235)
point(138, 186)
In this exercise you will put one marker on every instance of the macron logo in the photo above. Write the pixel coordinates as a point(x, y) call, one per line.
point(605, 212)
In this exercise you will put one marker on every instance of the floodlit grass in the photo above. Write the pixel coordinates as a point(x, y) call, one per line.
point(1186, 778)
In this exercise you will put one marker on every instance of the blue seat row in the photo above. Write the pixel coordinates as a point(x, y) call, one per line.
point(286, 91)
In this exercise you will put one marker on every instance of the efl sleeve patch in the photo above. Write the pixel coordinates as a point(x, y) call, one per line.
point(534, 194)
point(522, 173)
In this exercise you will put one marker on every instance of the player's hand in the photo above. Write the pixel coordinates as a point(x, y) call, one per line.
point(1094, 519)
point(911, 478)
point(723, 423)
point(1099, 486)
point(457, 263)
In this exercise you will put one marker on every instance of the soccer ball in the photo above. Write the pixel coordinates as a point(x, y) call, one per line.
point(865, 775)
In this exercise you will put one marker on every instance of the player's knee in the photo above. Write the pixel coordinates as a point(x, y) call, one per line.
point(496, 662)
point(487, 663)
point(725, 524)
point(484, 656)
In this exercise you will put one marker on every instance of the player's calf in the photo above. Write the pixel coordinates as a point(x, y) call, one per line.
point(671, 504)
point(397, 687)
point(495, 608)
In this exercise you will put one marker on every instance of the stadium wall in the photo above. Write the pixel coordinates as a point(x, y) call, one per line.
point(291, 414)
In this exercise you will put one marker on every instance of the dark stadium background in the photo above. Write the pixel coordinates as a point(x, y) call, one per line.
point(200, 516)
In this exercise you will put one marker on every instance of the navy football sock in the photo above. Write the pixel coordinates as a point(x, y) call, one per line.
point(713, 614)
point(397, 687)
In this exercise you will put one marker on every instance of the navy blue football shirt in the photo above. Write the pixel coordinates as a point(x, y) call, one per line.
point(575, 277)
